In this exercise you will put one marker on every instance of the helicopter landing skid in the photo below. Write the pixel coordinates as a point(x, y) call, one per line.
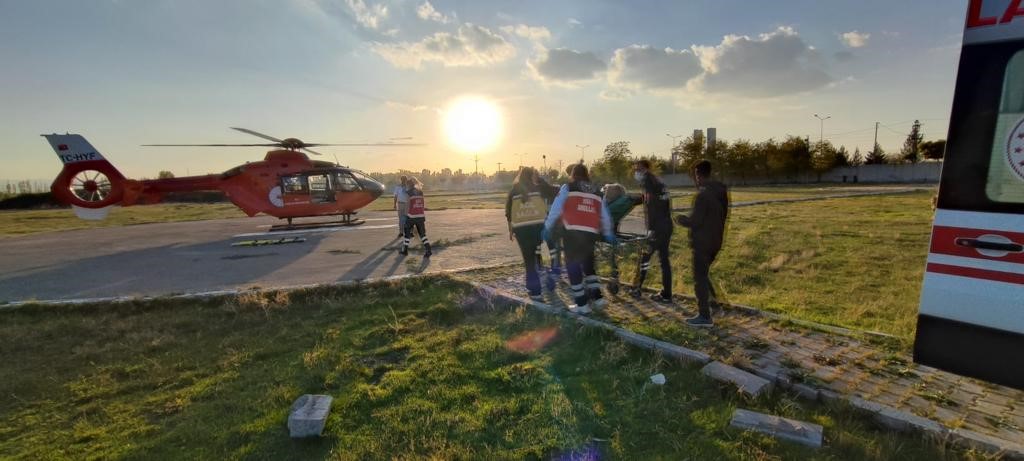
point(347, 220)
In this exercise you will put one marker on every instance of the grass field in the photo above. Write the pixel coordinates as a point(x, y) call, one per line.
point(23, 222)
point(424, 369)
point(853, 262)
point(14, 223)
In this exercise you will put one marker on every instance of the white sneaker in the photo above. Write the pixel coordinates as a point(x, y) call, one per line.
point(599, 303)
point(582, 310)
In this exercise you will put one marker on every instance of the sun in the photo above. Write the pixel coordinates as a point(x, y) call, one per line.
point(473, 124)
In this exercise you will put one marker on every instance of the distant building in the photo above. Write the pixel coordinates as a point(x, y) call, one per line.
point(712, 134)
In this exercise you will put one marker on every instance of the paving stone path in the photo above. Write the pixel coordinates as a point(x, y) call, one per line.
point(866, 370)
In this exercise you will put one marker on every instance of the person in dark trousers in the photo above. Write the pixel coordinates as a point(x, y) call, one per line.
point(585, 219)
point(525, 210)
point(657, 208)
point(401, 204)
point(707, 227)
point(416, 216)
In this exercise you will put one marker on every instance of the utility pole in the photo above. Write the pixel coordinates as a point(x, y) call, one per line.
point(476, 164)
point(672, 151)
point(544, 158)
point(499, 167)
point(875, 145)
point(821, 133)
point(582, 150)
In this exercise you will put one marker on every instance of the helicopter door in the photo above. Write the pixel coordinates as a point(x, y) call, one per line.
point(321, 189)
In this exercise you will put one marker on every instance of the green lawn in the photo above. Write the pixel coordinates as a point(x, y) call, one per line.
point(23, 222)
point(853, 262)
point(422, 369)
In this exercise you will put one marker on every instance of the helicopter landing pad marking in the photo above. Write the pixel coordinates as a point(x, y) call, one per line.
point(310, 231)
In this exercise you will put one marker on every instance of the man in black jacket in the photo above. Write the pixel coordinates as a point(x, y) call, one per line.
point(707, 226)
point(657, 207)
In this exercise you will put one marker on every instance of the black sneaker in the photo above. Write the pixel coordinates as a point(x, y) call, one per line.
point(699, 321)
point(635, 293)
point(660, 298)
point(426, 254)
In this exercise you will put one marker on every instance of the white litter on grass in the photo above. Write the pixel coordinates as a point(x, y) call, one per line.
point(658, 379)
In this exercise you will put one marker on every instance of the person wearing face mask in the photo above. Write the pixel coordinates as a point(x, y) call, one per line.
point(657, 207)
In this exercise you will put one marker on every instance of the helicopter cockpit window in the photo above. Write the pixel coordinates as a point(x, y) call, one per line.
point(346, 183)
point(294, 185)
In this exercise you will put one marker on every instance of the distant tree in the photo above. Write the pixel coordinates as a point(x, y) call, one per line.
point(876, 156)
point(911, 147)
point(164, 174)
point(795, 154)
point(740, 159)
point(823, 158)
point(616, 164)
point(691, 150)
point(842, 157)
point(933, 150)
point(856, 159)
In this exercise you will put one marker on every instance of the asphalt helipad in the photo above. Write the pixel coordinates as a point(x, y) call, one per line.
point(198, 256)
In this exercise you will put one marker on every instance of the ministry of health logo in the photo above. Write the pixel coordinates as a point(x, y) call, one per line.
point(1015, 150)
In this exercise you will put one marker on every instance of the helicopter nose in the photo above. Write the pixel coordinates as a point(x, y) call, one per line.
point(373, 187)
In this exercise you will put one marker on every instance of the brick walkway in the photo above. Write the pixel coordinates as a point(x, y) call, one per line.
point(865, 370)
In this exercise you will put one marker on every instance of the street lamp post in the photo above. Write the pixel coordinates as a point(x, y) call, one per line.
point(821, 132)
point(545, 160)
point(672, 152)
point(582, 150)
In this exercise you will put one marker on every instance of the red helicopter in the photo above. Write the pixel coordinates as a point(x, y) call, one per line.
point(286, 184)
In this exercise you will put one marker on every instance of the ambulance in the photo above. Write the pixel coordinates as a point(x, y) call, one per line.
point(971, 316)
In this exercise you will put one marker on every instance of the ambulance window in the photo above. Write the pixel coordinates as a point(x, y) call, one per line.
point(346, 183)
point(1005, 182)
point(293, 185)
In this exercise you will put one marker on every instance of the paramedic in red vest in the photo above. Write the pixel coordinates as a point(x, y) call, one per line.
point(525, 210)
point(416, 216)
point(657, 207)
point(585, 218)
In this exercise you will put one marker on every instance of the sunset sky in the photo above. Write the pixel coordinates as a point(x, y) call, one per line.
point(555, 75)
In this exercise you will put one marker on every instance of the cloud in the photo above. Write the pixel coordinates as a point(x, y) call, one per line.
point(565, 67)
point(774, 64)
point(646, 67)
point(854, 39)
point(573, 22)
point(470, 46)
point(616, 94)
point(427, 12)
point(532, 33)
point(844, 56)
point(367, 16)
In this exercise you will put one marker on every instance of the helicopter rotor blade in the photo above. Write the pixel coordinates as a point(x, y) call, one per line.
point(211, 145)
point(374, 144)
point(257, 134)
point(311, 151)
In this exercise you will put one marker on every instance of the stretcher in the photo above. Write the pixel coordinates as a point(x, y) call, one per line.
point(627, 242)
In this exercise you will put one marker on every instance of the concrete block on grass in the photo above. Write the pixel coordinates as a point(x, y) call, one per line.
point(308, 415)
point(787, 429)
point(749, 384)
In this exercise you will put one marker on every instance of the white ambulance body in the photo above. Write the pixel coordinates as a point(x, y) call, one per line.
point(971, 319)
